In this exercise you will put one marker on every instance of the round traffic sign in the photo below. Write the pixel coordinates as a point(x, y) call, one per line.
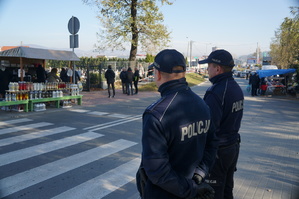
point(74, 25)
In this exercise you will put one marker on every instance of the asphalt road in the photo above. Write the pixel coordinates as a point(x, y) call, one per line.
point(93, 151)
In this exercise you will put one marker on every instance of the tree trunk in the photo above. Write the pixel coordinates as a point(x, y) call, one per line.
point(134, 42)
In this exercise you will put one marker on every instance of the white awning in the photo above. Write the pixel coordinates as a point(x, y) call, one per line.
point(37, 53)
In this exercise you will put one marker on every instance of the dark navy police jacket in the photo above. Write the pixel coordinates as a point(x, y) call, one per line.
point(225, 99)
point(177, 138)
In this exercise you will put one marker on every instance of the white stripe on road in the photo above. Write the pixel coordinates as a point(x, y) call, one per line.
point(79, 110)
point(25, 127)
point(8, 122)
point(98, 113)
point(113, 123)
point(34, 135)
point(31, 177)
point(119, 115)
point(104, 184)
point(22, 154)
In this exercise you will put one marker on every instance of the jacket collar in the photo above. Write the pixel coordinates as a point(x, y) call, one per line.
point(173, 86)
point(220, 77)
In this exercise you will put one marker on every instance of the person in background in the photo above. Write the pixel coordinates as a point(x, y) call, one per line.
point(177, 136)
point(129, 81)
point(77, 77)
point(225, 99)
point(254, 80)
point(41, 74)
point(110, 78)
point(5, 78)
point(52, 76)
point(136, 80)
point(123, 77)
point(263, 86)
point(63, 75)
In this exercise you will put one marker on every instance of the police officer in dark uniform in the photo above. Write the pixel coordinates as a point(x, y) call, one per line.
point(225, 99)
point(177, 137)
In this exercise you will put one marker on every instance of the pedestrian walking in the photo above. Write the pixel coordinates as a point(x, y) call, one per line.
point(110, 78)
point(123, 77)
point(129, 83)
point(136, 80)
point(177, 136)
point(225, 99)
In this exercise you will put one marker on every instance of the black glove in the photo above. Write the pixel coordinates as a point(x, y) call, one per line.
point(205, 191)
point(197, 178)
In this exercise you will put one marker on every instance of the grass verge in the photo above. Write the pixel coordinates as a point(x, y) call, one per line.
point(192, 79)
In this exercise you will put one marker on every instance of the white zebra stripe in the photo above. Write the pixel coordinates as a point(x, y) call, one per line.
point(24, 127)
point(98, 113)
point(34, 135)
point(36, 175)
point(79, 110)
point(114, 123)
point(109, 182)
point(8, 122)
point(119, 115)
point(22, 154)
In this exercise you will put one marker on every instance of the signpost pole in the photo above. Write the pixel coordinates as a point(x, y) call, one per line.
point(74, 26)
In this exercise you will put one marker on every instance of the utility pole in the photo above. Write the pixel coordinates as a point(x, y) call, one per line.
point(257, 54)
point(190, 53)
point(187, 49)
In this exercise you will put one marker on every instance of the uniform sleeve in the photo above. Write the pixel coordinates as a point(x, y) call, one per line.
point(156, 164)
point(215, 105)
point(209, 153)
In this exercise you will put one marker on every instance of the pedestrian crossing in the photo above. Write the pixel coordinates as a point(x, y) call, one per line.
point(100, 113)
point(21, 182)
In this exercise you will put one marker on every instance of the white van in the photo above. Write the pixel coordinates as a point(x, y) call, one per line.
point(269, 67)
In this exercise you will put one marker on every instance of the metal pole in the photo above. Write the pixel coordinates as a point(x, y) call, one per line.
point(187, 49)
point(257, 54)
point(190, 53)
point(74, 70)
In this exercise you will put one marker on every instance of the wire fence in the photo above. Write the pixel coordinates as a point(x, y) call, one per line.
point(93, 76)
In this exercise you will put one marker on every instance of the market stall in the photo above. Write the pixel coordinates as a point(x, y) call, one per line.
point(23, 93)
point(276, 80)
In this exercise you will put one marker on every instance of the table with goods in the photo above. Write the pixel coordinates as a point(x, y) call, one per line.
point(28, 96)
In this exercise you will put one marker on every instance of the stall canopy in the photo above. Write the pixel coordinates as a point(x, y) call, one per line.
point(268, 73)
point(37, 53)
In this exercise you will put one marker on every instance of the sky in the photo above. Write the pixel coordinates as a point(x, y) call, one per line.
point(238, 26)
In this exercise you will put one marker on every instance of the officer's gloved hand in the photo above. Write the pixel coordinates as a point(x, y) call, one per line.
point(205, 191)
point(197, 178)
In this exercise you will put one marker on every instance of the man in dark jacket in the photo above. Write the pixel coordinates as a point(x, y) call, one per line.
point(130, 76)
point(123, 77)
point(178, 138)
point(225, 99)
point(110, 78)
point(254, 80)
point(5, 78)
point(136, 80)
point(41, 74)
point(63, 75)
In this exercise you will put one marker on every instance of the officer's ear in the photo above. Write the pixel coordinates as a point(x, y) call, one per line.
point(158, 75)
point(219, 69)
